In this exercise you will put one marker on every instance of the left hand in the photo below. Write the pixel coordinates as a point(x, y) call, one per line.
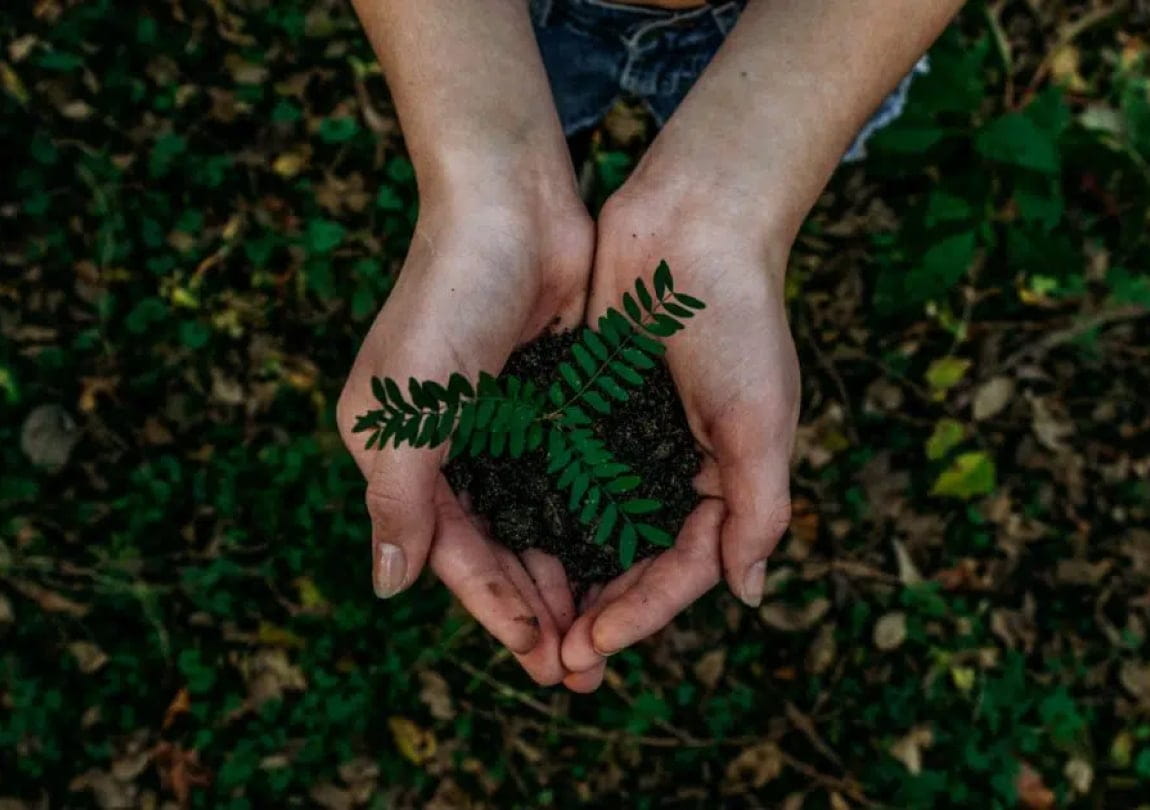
point(737, 373)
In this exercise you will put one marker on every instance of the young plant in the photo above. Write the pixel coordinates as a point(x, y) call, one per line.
point(506, 415)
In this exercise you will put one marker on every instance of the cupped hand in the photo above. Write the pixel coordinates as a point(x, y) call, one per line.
point(736, 371)
point(486, 272)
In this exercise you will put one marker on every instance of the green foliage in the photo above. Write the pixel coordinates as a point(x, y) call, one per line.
point(506, 415)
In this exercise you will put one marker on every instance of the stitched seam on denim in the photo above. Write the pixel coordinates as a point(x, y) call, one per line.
point(540, 11)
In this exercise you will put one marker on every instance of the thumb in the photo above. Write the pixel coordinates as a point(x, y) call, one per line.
point(400, 501)
point(757, 493)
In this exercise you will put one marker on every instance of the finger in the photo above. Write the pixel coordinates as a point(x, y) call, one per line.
point(757, 493)
point(707, 481)
point(551, 580)
point(587, 681)
point(466, 563)
point(579, 653)
point(401, 504)
point(675, 579)
point(542, 662)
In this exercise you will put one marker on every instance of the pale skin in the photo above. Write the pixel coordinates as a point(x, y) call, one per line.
point(720, 195)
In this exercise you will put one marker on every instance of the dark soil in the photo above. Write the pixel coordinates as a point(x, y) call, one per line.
point(525, 510)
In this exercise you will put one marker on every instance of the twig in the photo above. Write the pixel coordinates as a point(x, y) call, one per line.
point(1070, 33)
point(1036, 351)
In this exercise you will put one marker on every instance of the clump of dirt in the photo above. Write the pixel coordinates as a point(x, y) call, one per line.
point(525, 510)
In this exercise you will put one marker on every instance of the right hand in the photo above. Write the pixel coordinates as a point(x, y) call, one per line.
point(489, 269)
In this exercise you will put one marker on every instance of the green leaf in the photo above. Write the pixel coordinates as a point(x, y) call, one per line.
point(663, 281)
point(428, 431)
point(460, 385)
point(945, 373)
point(558, 460)
point(323, 236)
point(628, 374)
point(517, 440)
point(644, 294)
point(688, 301)
point(466, 421)
point(678, 311)
point(628, 545)
point(498, 442)
point(578, 490)
point(653, 535)
point(1017, 140)
point(663, 326)
point(568, 475)
point(488, 386)
point(590, 506)
point(571, 376)
point(446, 424)
point(534, 437)
point(638, 359)
point(396, 396)
point(612, 388)
point(595, 344)
point(378, 391)
point(596, 401)
point(585, 361)
point(969, 475)
point(418, 397)
point(652, 347)
point(632, 308)
point(947, 434)
point(610, 470)
point(641, 506)
point(606, 524)
point(624, 484)
point(478, 442)
point(555, 394)
point(574, 415)
point(484, 414)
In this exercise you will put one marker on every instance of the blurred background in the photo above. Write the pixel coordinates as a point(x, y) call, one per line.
point(203, 204)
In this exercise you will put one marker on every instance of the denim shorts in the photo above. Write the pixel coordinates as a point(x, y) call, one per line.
point(596, 51)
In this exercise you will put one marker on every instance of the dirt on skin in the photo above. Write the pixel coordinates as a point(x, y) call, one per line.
point(521, 503)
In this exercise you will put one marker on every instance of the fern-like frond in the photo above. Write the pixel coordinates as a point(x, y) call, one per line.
point(598, 487)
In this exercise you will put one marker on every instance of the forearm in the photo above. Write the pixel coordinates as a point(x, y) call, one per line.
point(470, 90)
point(773, 114)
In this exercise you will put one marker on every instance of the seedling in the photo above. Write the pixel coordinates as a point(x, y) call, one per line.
point(506, 415)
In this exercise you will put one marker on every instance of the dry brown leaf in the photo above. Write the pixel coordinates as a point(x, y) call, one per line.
point(181, 704)
point(331, 797)
point(1080, 774)
point(269, 673)
point(991, 397)
point(108, 792)
point(791, 619)
point(890, 631)
point(6, 614)
point(908, 750)
point(48, 600)
point(1135, 678)
point(709, 667)
point(908, 573)
point(823, 650)
point(838, 802)
point(436, 695)
point(179, 770)
point(1033, 793)
point(48, 436)
point(89, 656)
point(753, 767)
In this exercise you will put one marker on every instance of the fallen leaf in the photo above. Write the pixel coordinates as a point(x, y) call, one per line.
point(416, 744)
point(48, 436)
point(791, 619)
point(823, 650)
point(269, 673)
point(1135, 678)
point(908, 573)
point(89, 657)
point(947, 434)
point(991, 397)
point(6, 614)
point(436, 695)
point(890, 631)
point(945, 373)
point(331, 797)
point(181, 704)
point(908, 750)
point(289, 164)
point(968, 475)
point(50, 601)
point(1032, 791)
point(179, 770)
point(1065, 67)
point(754, 767)
point(709, 668)
point(1048, 425)
point(1080, 774)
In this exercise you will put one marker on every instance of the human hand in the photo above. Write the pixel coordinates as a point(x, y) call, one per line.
point(489, 268)
point(737, 374)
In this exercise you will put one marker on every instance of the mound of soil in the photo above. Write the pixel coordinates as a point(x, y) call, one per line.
point(525, 510)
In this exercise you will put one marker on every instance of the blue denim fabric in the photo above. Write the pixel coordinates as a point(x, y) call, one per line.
point(596, 50)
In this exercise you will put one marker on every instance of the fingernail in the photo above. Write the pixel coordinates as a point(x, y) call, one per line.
point(390, 570)
point(754, 583)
